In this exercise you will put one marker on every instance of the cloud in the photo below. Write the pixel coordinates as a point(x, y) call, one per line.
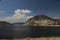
point(56, 18)
point(19, 16)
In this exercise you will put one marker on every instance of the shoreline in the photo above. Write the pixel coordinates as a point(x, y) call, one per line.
point(46, 25)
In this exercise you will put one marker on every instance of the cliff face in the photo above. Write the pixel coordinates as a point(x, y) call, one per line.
point(42, 20)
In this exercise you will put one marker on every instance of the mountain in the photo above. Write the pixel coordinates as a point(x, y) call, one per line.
point(18, 24)
point(3, 22)
point(40, 17)
point(42, 20)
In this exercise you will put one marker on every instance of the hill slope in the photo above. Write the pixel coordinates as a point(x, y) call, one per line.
point(42, 20)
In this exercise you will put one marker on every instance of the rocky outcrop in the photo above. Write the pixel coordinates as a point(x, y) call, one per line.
point(42, 20)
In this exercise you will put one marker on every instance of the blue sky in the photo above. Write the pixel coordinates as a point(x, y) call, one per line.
point(48, 7)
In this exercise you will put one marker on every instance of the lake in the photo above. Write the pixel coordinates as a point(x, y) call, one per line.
point(29, 31)
point(36, 31)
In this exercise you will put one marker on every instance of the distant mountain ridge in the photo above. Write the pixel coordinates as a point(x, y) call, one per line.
point(4, 22)
point(40, 17)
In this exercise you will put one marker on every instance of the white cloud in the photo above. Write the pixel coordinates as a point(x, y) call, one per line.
point(56, 18)
point(19, 16)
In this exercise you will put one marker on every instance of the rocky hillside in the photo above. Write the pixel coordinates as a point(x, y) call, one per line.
point(42, 20)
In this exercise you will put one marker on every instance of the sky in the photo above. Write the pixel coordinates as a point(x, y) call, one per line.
point(21, 10)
